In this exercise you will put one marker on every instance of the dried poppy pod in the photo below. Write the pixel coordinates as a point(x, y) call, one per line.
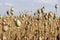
point(12, 11)
point(56, 6)
point(24, 15)
point(43, 10)
point(7, 12)
point(5, 28)
point(50, 14)
point(18, 23)
point(46, 16)
point(38, 11)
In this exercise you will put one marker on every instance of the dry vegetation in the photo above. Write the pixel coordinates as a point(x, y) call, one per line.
point(25, 27)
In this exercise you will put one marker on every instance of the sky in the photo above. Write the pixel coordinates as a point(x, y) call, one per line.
point(28, 5)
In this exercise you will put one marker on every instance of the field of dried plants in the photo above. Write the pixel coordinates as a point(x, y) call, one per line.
point(27, 27)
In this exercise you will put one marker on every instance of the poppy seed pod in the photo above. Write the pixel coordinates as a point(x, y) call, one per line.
point(12, 11)
point(5, 28)
point(18, 23)
point(43, 10)
point(56, 6)
point(38, 11)
point(7, 12)
point(50, 14)
point(46, 16)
